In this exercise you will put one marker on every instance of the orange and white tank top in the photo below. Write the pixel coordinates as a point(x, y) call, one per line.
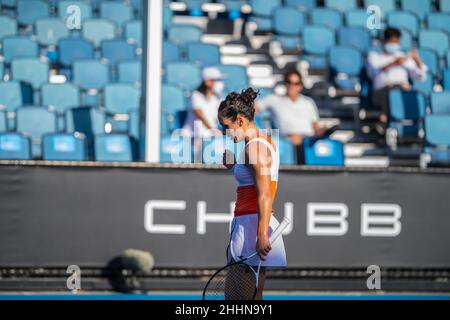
point(247, 196)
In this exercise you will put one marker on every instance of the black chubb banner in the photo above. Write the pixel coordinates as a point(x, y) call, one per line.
point(60, 216)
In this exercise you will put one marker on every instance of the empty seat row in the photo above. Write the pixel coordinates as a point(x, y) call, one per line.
point(317, 151)
point(69, 147)
point(118, 98)
point(30, 11)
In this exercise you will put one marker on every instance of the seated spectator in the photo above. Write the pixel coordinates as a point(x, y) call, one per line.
point(392, 68)
point(202, 120)
point(294, 114)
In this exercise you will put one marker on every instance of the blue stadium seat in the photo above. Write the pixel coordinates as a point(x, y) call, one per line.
point(446, 79)
point(14, 146)
point(8, 27)
point(130, 72)
point(60, 96)
point(133, 124)
point(173, 110)
point(121, 98)
point(175, 150)
point(340, 5)
point(29, 11)
point(262, 12)
point(236, 77)
point(424, 87)
point(317, 40)
point(2, 70)
point(356, 37)
point(302, 5)
point(288, 21)
point(90, 74)
point(14, 94)
point(64, 147)
point(172, 99)
point(167, 18)
point(448, 58)
point(437, 138)
point(117, 50)
point(31, 70)
point(85, 9)
point(346, 64)
point(97, 30)
point(287, 151)
point(113, 147)
point(50, 30)
point(34, 122)
point(407, 109)
point(133, 32)
point(444, 5)
point(288, 24)
point(386, 6)
point(170, 52)
point(180, 34)
point(406, 40)
point(184, 74)
point(419, 7)
point(205, 54)
point(439, 20)
point(356, 18)
point(3, 121)
point(72, 49)
point(440, 103)
point(89, 121)
point(436, 40)
point(119, 12)
point(19, 47)
point(326, 17)
point(404, 20)
point(430, 58)
point(323, 152)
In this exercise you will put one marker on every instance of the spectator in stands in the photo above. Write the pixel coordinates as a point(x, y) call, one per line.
point(294, 114)
point(202, 120)
point(392, 68)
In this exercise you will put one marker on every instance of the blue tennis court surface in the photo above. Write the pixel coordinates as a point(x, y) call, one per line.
point(194, 296)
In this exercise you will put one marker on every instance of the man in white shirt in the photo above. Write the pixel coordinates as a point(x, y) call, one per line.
point(392, 68)
point(295, 115)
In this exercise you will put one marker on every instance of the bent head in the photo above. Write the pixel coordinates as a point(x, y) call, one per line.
point(236, 114)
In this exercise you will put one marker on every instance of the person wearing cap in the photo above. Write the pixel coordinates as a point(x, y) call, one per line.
point(202, 120)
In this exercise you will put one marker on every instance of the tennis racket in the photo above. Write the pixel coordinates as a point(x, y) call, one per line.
point(238, 280)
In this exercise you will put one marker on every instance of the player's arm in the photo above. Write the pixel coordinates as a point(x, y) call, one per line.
point(260, 161)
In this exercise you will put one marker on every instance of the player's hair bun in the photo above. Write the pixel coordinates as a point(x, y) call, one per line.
point(239, 103)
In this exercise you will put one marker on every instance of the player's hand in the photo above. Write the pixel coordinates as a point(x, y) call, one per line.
point(263, 246)
point(401, 60)
point(228, 159)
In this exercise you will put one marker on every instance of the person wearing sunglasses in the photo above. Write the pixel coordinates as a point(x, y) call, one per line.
point(294, 114)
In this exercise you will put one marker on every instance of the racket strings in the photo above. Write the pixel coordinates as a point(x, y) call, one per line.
point(235, 282)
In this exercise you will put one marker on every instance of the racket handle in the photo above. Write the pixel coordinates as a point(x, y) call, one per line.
point(277, 232)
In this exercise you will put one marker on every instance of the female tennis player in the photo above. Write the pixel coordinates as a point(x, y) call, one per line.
point(256, 172)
